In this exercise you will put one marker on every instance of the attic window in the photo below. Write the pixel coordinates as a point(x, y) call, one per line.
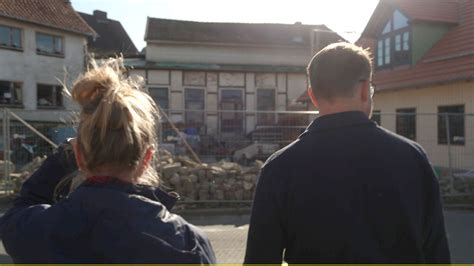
point(394, 46)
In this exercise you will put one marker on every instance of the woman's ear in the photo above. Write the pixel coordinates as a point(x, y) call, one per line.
point(148, 156)
point(77, 154)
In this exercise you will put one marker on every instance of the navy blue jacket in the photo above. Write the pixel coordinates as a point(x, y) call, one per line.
point(347, 191)
point(100, 222)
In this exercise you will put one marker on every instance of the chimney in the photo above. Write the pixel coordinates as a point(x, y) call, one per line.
point(100, 15)
point(298, 33)
point(67, 2)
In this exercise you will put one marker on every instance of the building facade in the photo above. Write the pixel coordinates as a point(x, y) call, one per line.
point(215, 77)
point(424, 73)
point(42, 48)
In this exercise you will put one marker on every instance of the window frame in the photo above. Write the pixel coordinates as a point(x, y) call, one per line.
point(261, 118)
point(150, 88)
point(54, 38)
point(187, 110)
point(55, 105)
point(10, 45)
point(402, 113)
point(395, 57)
point(442, 130)
point(12, 92)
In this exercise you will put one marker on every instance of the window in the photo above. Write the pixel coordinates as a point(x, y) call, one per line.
point(49, 96)
point(393, 46)
point(231, 105)
point(10, 37)
point(160, 95)
point(49, 44)
point(266, 102)
point(10, 93)
point(406, 123)
point(194, 100)
point(376, 117)
point(451, 125)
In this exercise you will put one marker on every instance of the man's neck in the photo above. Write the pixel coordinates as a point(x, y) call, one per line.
point(328, 109)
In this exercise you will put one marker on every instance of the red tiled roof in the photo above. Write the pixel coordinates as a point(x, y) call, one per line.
point(429, 10)
point(57, 14)
point(444, 11)
point(450, 59)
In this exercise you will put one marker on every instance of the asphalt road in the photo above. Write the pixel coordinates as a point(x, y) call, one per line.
point(228, 235)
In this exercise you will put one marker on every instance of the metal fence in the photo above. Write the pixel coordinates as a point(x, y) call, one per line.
point(22, 145)
point(215, 155)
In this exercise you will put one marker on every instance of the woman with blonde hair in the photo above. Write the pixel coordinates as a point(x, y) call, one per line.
point(117, 214)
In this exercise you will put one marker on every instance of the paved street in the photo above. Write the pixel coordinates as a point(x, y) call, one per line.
point(228, 235)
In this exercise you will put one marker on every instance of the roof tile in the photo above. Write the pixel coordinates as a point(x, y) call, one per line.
point(57, 14)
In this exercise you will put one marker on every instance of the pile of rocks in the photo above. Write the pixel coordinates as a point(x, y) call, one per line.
point(218, 181)
point(191, 180)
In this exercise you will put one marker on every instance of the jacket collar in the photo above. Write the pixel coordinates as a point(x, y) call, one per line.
point(152, 193)
point(338, 120)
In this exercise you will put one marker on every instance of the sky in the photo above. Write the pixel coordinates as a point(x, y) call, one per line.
point(346, 17)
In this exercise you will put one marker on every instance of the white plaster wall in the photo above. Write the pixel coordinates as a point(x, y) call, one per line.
point(195, 78)
point(158, 77)
point(30, 69)
point(193, 53)
point(229, 79)
point(266, 80)
point(426, 101)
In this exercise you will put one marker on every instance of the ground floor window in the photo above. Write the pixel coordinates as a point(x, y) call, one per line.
point(10, 93)
point(406, 123)
point(161, 97)
point(231, 107)
point(194, 105)
point(265, 103)
point(451, 125)
point(49, 96)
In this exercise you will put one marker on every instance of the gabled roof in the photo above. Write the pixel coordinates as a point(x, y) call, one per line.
point(57, 14)
point(234, 33)
point(440, 11)
point(112, 38)
point(450, 59)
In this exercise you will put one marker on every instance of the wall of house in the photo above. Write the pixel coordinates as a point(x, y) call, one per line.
point(227, 54)
point(287, 86)
point(30, 68)
point(426, 101)
point(425, 36)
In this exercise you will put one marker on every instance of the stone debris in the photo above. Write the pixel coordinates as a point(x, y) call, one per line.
point(217, 181)
point(191, 180)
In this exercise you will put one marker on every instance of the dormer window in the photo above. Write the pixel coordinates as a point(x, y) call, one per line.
point(394, 46)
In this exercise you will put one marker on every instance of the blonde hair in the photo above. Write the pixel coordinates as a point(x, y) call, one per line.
point(118, 119)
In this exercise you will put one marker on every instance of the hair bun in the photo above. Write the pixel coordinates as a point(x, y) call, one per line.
point(97, 82)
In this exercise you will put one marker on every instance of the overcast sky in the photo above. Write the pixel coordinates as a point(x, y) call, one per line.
point(347, 17)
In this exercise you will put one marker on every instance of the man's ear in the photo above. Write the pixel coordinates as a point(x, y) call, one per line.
point(313, 98)
point(364, 91)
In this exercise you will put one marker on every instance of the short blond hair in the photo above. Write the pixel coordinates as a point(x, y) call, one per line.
point(337, 68)
point(118, 120)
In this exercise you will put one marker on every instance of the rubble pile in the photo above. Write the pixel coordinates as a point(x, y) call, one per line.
point(218, 181)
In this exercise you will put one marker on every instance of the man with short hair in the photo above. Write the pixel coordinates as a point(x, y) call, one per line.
point(347, 190)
